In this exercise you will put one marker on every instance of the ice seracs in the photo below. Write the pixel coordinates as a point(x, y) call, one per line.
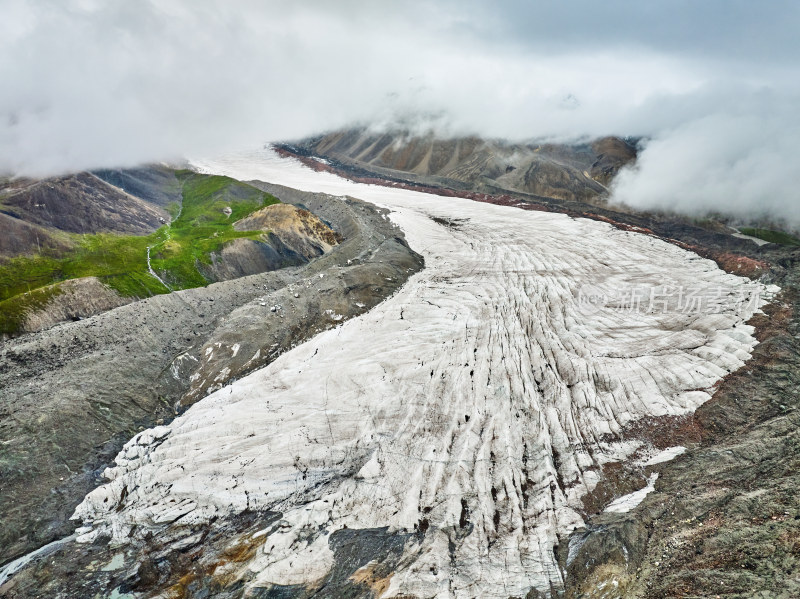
point(474, 408)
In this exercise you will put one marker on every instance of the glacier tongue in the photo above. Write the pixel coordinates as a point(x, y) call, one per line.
point(474, 406)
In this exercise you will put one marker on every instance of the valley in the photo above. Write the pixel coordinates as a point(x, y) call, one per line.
point(399, 300)
point(462, 438)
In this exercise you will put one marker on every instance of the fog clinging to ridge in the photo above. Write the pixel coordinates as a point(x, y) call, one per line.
point(713, 86)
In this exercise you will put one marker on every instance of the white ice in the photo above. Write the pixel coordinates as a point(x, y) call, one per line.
point(626, 503)
point(665, 455)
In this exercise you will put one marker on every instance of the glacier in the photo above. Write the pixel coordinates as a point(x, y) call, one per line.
point(474, 408)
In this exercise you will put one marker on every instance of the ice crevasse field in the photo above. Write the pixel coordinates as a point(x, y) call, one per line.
point(476, 405)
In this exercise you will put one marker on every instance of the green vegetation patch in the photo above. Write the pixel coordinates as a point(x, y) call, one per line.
point(203, 225)
point(771, 236)
point(111, 258)
point(211, 204)
point(13, 311)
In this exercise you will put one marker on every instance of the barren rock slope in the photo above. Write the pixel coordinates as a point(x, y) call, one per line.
point(566, 172)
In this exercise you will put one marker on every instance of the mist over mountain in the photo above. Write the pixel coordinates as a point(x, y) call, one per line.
point(738, 165)
point(436, 298)
point(712, 86)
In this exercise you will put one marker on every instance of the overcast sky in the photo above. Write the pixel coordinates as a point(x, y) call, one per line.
point(713, 84)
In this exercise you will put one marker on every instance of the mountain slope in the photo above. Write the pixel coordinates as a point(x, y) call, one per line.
point(80, 203)
point(205, 242)
point(19, 237)
point(574, 172)
point(156, 184)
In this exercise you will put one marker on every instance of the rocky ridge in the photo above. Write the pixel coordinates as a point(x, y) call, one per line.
point(80, 203)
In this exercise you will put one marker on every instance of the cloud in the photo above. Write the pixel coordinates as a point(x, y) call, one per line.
point(90, 83)
point(736, 162)
point(739, 31)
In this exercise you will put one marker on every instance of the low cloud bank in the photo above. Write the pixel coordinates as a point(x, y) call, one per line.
point(88, 84)
point(743, 163)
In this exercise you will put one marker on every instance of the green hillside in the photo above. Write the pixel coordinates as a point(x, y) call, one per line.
point(203, 225)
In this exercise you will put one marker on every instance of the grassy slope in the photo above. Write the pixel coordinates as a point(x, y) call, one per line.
point(202, 227)
point(771, 236)
point(13, 311)
point(120, 261)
